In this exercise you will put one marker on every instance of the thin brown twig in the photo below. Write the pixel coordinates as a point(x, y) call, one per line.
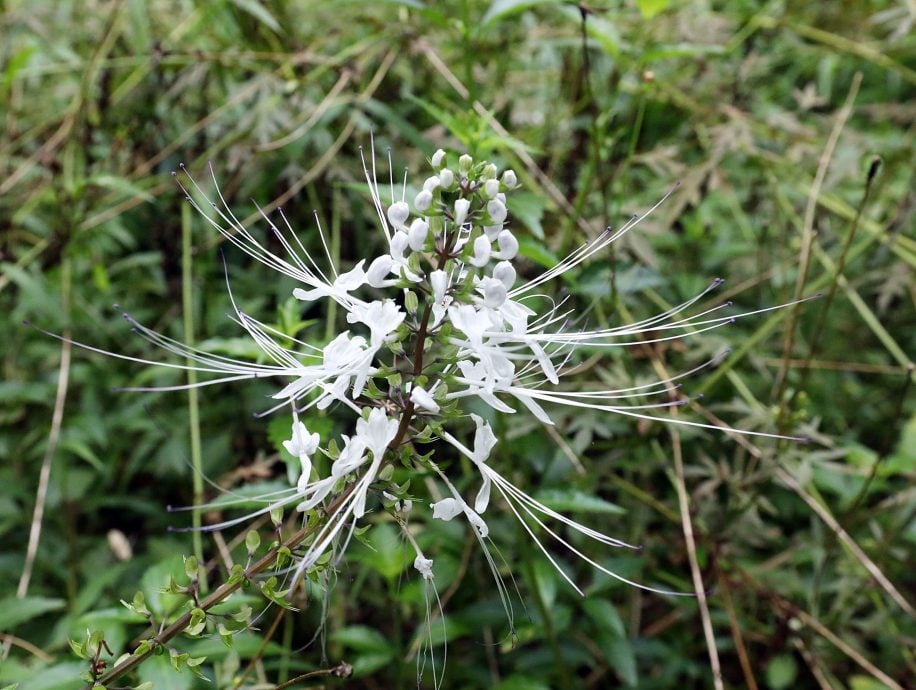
point(44, 476)
point(9, 640)
point(808, 236)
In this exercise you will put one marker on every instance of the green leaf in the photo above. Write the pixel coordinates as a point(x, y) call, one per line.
point(866, 683)
point(58, 677)
point(536, 252)
point(781, 672)
point(362, 638)
point(518, 681)
point(384, 551)
point(649, 8)
point(623, 661)
point(528, 208)
point(604, 616)
point(259, 12)
point(577, 501)
point(500, 9)
point(14, 611)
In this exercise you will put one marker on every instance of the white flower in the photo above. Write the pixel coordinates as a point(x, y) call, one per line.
point(437, 158)
point(302, 442)
point(461, 211)
point(446, 509)
point(508, 245)
point(423, 400)
point(398, 213)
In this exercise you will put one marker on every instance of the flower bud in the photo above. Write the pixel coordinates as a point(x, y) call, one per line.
point(509, 179)
point(464, 164)
point(481, 252)
point(491, 188)
point(416, 235)
point(422, 399)
point(437, 158)
point(431, 183)
point(504, 272)
point(497, 210)
point(438, 279)
point(489, 172)
point(446, 178)
point(423, 200)
point(461, 211)
point(398, 213)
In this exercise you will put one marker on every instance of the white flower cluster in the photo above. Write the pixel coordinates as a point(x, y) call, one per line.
point(453, 324)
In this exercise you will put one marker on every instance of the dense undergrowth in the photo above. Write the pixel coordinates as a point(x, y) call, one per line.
point(789, 128)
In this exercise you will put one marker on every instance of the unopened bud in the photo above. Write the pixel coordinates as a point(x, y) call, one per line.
point(461, 211)
point(423, 200)
point(446, 178)
point(416, 235)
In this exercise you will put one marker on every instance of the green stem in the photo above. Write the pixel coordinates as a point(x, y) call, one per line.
point(187, 307)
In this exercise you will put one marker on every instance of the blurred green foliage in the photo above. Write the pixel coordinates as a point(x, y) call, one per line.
point(600, 107)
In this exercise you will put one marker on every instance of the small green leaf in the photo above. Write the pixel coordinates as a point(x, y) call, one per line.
point(252, 541)
point(781, 672)
point(191, 568)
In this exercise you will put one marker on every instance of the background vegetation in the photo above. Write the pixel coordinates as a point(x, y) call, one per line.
point(769, 114)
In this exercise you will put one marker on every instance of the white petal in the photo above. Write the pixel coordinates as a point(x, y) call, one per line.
point(446, 509)
point(416, 236)
point(398, 213)
point(504, 272)
point(508, 246)
point(497, 210)
point(422, 399)
point(481, 254)
point(423, 200)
